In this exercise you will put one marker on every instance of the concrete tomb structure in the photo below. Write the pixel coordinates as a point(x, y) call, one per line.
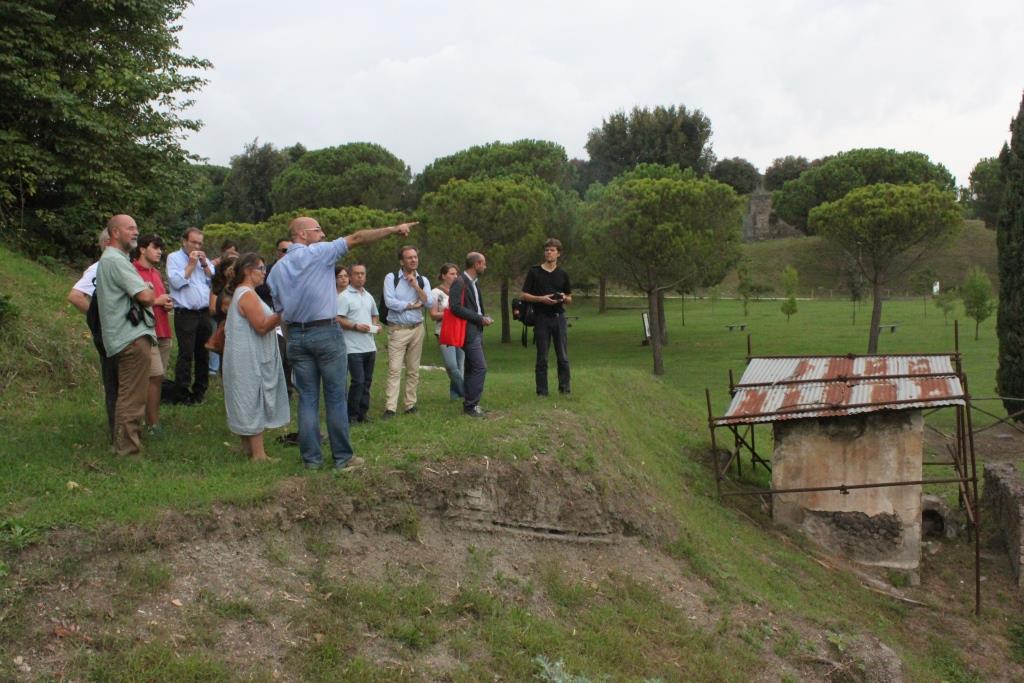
point(874, 526)
point(847, 421)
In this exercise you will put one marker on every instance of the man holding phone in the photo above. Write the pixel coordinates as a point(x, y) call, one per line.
point(189, 272)
point(547, 287)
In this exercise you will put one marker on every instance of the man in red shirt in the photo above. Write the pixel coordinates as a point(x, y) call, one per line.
point(150, 251)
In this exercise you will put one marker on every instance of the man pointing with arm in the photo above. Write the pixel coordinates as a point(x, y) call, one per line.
point(302, 283)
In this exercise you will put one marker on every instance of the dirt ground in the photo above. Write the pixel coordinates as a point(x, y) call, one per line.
point(521, 517)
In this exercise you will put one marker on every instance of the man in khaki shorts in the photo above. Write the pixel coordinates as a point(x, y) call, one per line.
point(148, 255)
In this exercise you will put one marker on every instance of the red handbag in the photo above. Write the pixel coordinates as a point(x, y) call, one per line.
point(453, 328)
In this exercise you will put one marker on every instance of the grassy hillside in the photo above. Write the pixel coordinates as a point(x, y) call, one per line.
point(820, 277)
point(318, 577)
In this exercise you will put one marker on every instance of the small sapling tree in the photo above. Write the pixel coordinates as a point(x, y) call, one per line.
point(976, 293)
point(790, 281)
point(946, 302)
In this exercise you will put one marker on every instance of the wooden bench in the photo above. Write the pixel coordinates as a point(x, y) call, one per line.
point(740, 326)
point(890, 326)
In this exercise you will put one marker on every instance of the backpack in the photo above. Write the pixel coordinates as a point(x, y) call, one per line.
point(383, 308)
point(524, 312)
point(92, 319)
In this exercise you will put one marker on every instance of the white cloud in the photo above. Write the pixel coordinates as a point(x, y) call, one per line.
point(428, 79)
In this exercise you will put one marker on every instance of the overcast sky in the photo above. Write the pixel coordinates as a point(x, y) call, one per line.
point(426, 79)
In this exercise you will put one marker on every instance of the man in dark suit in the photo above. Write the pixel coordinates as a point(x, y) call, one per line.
point(471, 308)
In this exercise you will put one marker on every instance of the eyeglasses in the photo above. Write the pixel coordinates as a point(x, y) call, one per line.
point(262, 269)
point(317, 228)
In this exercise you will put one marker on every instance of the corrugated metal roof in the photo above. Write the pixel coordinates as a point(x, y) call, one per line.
point(796, 388)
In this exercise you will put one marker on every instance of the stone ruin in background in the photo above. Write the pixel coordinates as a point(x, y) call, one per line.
point(761, 222)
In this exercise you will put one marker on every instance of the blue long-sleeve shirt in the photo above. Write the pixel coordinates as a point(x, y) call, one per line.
point(397, 298)
point(302, 282)
point(192, 293)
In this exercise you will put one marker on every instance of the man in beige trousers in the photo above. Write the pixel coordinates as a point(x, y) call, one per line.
point(406, 294)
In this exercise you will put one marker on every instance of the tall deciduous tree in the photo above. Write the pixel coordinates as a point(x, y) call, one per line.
point(1010, 240)
point(665, 231)
point(247, 187)
point(505, 218)
point(738, 173)
point(92, 101)
point(670, 136)
point(356, 174)
point(835, 176)
point(885, 229)
point(783, 169)
point(985, 192)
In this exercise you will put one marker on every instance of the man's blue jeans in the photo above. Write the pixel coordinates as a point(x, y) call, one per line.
point(318, 354)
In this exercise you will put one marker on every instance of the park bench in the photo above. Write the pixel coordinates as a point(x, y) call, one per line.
point(740, 326)
point(890, 326)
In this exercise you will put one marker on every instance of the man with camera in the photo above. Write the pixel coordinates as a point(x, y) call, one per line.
point(547, 288)
point(124, 300)
point(189, 272)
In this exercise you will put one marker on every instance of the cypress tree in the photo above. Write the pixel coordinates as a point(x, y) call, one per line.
point(1010, 240)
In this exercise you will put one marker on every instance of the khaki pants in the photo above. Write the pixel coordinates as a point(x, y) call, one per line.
point(133, 364)
point(405, 346)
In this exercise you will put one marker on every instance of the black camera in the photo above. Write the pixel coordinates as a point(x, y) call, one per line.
point(139, 314)
point(558, 296)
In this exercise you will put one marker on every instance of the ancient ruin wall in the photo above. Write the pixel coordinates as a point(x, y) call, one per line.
point(761, 222)
point(875, 526)
point(1004, 501)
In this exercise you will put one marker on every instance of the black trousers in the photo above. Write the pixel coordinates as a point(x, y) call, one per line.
point(552, 330)
point(475, 369)
point(108, 373)
point(192, 329)
point(282, 346)
point(360, 372)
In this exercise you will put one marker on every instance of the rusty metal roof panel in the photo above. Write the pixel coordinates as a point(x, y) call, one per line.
point(774, 389)
point(769, 370)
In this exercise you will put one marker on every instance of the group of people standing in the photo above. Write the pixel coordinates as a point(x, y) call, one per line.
point(305, 319)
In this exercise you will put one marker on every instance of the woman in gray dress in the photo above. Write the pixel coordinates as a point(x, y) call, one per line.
point(254, 388)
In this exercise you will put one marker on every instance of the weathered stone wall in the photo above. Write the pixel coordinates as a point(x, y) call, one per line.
point(1004, 500)
point(761, 223)
point(875, 526)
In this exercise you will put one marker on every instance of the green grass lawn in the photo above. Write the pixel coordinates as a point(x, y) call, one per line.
point(620, 423)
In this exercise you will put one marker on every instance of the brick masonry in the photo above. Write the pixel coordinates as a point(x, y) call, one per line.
point(1003, 499)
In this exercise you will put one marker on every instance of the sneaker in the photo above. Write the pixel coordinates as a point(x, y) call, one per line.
point(388, 414)
point(354, 462)
point(475, 411)
point(411, 411)
point(289, 439)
